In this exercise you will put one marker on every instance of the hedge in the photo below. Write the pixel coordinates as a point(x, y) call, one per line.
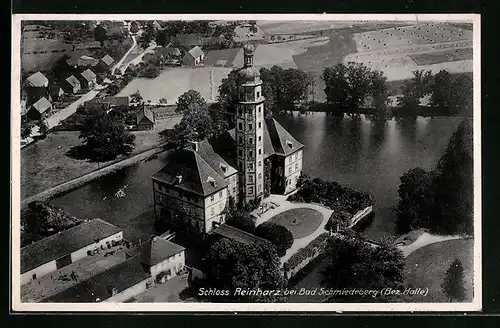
point(306, 252)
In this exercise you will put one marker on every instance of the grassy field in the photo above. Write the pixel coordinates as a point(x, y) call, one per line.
point(46, 164)
point(426, 267)
point(442, 56)
point(300, 221)
point(224, 57)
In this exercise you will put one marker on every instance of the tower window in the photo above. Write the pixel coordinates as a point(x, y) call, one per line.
point(242, 95)
point(260, 163)
point(260, 124)
point(260, 109)
point(240, 165)
point(260, 175)
point(250, 166)
point(239, 111)
point(260, 138)
point(249, 111)
point(240, 153)
point(296, 166)
point(250, 179)
point(240, 126)
point(258, 94)
point(240, 140)
point(250, 153)
point(260, 151)
point(250, 141)
point(250, 126)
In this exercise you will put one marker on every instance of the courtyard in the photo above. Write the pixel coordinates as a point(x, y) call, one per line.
point(300, 221)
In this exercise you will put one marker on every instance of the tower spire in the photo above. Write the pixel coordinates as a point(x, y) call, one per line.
point(248, 51)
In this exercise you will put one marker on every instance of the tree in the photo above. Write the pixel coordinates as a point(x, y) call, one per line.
point(148, 35)
point(441, 91)
point(34, 219)
point(242, 220)
point(415, 205)
point(338, 221)
point(453, 283)
point(104, 135)
point(228, 97)
point(410, 101)
point(195, 125)
point(26, 129)
point(379, 91)
point(100, 34)
point(134, 27)
point(277, 234)
point(162, 38)
point(42, 127)
point(454, 184)
point(353, 263)
point(163, 101)
point(136, 98)
point(189, 100)
point(346, 87)
point(230, 264)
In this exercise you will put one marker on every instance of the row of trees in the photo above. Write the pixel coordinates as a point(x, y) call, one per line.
point(442, 199)
point(350, 87)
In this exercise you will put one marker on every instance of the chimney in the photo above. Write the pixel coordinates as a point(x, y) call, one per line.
point(211, 181)
point(289, 144)
point(178, 179)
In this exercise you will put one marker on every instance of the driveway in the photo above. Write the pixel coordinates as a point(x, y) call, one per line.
point(120, 62)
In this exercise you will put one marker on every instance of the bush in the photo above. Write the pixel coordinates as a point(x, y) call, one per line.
point(306, 252)
point(241, 220)
point(339, 220)
point(277, 234)
point(295, 198)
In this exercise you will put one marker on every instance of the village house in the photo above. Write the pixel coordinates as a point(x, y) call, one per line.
point(79, 60)
point(247, 163)
point(59, 250)
point(108, 102)
point(37, 80)
point(71, 85)
point(193, 57)
point(145, 119)
point(88, 79)
point(106, 62)
point(39, 109)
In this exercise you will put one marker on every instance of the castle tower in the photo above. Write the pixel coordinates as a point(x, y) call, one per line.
point(249, 129)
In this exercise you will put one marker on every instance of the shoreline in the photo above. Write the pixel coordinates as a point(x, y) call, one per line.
point(70, 185)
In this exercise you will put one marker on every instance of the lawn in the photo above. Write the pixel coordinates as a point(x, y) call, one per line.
point(300, 221)
point(426, 267)
point(45, 164)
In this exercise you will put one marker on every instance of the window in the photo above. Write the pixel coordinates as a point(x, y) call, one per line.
point(260, 124)
point(260, 151)
point(250, 179)
point(250, 190)
point(249, 111)
point(234, 190)
point(212, 211)
point(260, 138)
point(239, 111)
point(240, 140)
point(250, 153)
point(260, 188)
point(296, 166)
point(212, 198)
point(250, 140)
point(290, 169)
point(250, 126)
point(240, 152)
point(250, 166)
point(240, 126)
point(260, 109)
point(242, 95)
point(220, 193)
point(260, 163)
point(260, 175)
point(258, 94)
point(240, 165)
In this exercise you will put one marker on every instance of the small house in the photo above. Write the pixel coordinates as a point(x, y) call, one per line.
point(106, 62)
point(72, 85)
point(88, 79)
point(145, 119)
point(82, 61)
point(162, 258)
point(39, 109)
point(37, 80)
point(193, 57)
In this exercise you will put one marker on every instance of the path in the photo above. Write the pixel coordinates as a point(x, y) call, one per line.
point(64, 113)
point(138, 59)
point(285, 205)
point(120, 62)
point(423, 240)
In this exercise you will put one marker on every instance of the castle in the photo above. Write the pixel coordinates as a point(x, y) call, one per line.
point(256, 158)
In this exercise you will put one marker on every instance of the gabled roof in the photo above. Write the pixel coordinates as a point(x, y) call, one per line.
point(213, 159)
point(195, 52)
point(73, 81)
point(282, 141)
point(99, 288)
point(88, 75)
point(194, 170)
point(158, 250)
point(65, 242)
point(37, 80)
point(108, 60)
point(268, 147)
point(145, 113)
point(42, 105)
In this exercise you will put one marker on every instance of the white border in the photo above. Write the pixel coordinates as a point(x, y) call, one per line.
point(475, 305)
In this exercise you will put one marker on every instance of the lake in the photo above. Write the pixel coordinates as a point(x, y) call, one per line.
point(354, 152)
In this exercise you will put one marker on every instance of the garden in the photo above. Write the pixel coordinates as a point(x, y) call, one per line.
point(301, 222)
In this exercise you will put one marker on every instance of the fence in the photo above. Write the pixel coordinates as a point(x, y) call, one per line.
point(360, 215)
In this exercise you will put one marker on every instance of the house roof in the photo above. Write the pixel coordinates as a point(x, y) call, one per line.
point(65, 242)
point(195, 52)
point(117, 101)
point(282, 141)
point(166, 51)
point(42, 105)
point(120, 277)
point(219, 164)
point(196, 173)
point(241, 236)
point(73, 81)
point(108, 60)
point(158, 250)
point(145, 113)
point(37, 80)
point(88, 75)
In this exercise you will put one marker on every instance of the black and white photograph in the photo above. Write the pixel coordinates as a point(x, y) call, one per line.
point(246, 162)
